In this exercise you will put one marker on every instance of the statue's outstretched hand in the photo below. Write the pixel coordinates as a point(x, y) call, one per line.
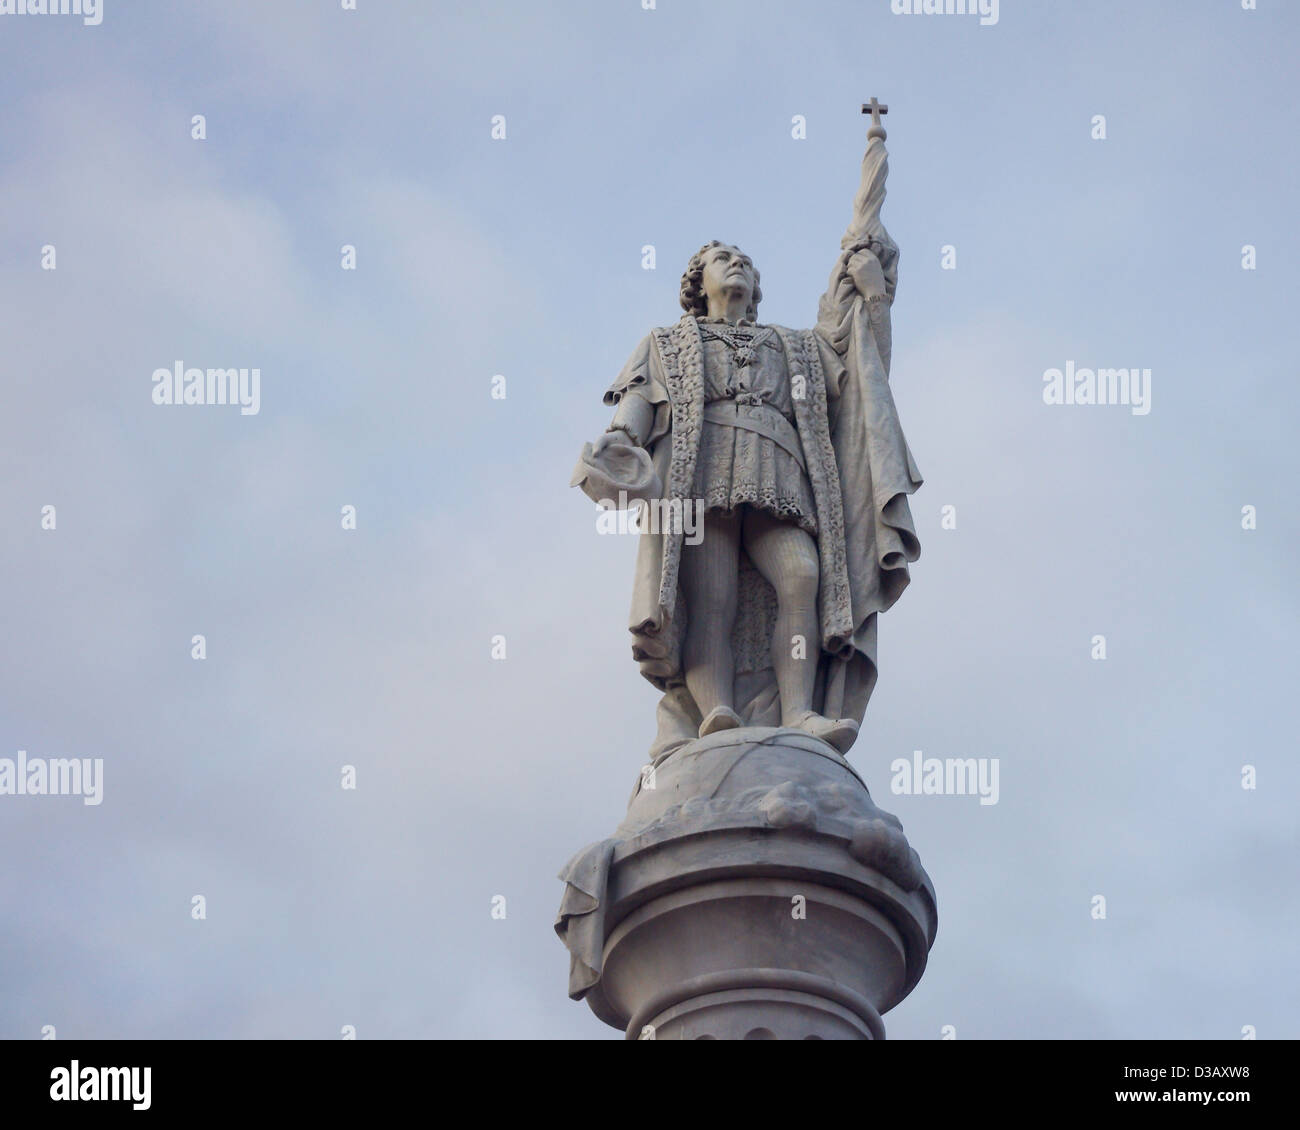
point(606, 438)
point(616, 467)
point(867, 274)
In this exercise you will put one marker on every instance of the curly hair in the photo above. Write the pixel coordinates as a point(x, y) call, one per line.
point(692, 294)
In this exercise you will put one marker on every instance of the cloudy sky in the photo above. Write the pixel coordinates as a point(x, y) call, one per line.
point(522, 257)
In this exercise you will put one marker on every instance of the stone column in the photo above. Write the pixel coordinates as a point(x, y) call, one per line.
point(754, 891)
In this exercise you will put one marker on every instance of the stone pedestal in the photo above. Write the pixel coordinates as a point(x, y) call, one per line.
point(754, 891)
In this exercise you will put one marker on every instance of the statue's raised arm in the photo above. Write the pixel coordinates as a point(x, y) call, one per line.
point(866, 270)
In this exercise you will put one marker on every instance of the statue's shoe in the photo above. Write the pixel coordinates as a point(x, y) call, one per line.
point(720, 718)
point(838, 732)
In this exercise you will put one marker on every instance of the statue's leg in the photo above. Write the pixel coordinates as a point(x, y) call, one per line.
point(786, 556)
point(709, 572)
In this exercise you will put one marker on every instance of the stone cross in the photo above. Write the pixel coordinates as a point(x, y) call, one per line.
point(875, 109)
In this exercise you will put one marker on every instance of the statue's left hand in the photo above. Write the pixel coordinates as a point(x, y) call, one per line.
point(867, 274)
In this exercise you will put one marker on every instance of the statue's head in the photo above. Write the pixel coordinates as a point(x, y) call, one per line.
point(717, 274)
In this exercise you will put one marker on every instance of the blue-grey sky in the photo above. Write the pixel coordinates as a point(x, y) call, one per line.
point(523, 257)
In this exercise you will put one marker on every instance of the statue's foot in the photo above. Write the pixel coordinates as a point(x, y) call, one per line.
point(720, 718)
point(838, 732)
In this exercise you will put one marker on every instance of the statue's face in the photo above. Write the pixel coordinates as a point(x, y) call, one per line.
point(728, 273)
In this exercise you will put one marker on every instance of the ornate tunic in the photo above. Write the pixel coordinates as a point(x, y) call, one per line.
point(750, 451)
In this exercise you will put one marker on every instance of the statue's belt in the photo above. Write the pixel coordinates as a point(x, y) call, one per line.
point(762, 419)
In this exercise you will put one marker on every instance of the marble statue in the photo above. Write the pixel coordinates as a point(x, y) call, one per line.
point(754, 890)
point(787, 442)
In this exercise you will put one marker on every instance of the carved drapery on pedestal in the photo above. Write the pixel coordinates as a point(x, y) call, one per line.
point(755, 891)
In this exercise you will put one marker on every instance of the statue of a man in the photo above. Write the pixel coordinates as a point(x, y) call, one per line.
point(787, 443)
